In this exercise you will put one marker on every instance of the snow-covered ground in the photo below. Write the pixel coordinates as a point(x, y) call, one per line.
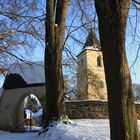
point(87, 129)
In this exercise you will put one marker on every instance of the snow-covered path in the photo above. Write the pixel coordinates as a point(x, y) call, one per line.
point(87, 129)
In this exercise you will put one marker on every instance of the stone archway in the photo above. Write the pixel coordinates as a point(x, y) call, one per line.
point(32, 113)
point(19, 111)
point(10, 106)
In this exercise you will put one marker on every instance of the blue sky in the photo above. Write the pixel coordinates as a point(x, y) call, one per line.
point(132, 44)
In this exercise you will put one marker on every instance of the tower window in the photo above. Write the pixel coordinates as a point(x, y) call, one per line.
point(99, 61)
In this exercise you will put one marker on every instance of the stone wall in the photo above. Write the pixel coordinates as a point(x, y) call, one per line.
point(12, 108)
point(90, 109)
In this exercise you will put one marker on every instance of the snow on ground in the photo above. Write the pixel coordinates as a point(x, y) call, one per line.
point(87, 129)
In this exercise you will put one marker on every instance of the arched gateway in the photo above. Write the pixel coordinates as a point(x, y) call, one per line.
point(11, 106)
point(15, 89)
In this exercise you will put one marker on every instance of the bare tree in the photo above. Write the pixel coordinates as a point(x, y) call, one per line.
point(20, 30)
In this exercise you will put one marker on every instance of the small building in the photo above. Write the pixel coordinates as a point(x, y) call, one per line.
point(21, 81)
point(91, 81)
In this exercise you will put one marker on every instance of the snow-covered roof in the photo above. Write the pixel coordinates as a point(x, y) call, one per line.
point(31, 73)
point(91, 48)
point(92, 43)
point(92, 40)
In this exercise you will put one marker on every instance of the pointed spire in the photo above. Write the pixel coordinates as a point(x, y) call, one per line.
point(92, 40)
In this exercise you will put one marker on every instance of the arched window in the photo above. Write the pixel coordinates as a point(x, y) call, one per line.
point(101, 84)
point(99, 61)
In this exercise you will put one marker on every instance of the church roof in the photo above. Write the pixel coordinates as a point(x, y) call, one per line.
point(92, 43)
point(92, 40)
point(31, 73)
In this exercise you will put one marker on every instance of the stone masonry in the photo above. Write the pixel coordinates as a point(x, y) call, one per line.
point(89, 109)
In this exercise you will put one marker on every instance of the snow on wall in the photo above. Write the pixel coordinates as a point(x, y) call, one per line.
point(31, 73)
point(37, 114)
point(34, 115)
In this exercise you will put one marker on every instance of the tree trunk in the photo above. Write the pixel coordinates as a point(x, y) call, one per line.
point(112, 16)
point(55, 27)
point(54, 87)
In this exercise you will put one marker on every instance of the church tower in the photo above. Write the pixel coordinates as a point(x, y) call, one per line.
point(91, 81)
